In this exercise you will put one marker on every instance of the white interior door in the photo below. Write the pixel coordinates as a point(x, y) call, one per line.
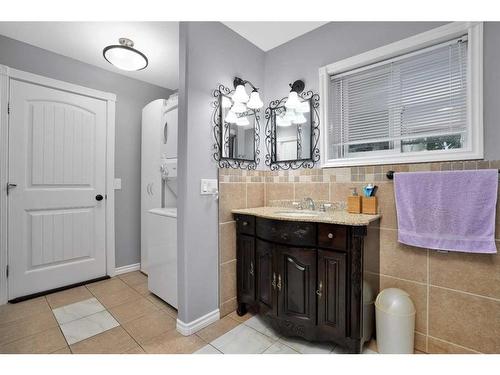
point(57, 158)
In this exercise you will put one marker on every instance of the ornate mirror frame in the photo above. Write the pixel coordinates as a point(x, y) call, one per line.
point(270, 132)
point(217, 129)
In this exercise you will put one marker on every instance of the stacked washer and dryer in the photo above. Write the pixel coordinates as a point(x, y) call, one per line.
point(159, 197)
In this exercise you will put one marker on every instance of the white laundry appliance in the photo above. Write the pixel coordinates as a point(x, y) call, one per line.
point(158, 163)
point(162, 248)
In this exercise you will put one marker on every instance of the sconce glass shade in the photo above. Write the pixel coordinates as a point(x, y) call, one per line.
point(226, 102)
point(289, 115)
point(255, 102)
point(303, 107)
point(242, 121)
point(282, 121)
point(293, 100)
point(240, 95)
point(299, 119)
point(231, 117)
point(238, 107)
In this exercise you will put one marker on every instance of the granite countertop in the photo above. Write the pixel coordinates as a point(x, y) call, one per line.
point(330, 217)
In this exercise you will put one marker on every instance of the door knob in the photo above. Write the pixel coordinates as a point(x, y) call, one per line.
point(99, 197)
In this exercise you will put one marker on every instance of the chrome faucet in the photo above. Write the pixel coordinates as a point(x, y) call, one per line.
point(308, 202)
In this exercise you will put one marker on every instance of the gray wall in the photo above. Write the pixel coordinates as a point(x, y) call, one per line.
point(302, 57)
point(210, 53)
point(132, 95)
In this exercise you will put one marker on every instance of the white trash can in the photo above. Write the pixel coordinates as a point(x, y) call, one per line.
point(395, 322)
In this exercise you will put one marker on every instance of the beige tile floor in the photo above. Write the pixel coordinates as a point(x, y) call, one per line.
point(135, 321)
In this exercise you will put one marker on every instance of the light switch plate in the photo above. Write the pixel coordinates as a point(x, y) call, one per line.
point(208, 186)
point(117, 184)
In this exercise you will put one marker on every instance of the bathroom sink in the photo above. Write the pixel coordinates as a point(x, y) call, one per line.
point(297, 213)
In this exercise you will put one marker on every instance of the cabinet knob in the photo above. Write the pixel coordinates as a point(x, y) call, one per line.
point(330, 235)
point(279, 283)
point(251, 268)
point(274, 281)
point(245, 223)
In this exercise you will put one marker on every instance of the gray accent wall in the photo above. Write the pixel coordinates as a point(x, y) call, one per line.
point(210, 54)
point(132, 95)
point(301, 58)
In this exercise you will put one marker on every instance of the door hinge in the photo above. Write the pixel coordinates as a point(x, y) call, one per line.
point(8, 108)
point(7, 271)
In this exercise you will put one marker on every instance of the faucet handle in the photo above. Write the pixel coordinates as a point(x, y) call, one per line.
point(297, 205)
point(325, 206)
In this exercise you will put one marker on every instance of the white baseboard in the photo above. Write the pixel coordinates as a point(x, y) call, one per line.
point(129, 268)
point(187, 329)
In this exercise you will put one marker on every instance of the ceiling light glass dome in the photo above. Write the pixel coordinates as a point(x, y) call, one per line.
point(124, 56)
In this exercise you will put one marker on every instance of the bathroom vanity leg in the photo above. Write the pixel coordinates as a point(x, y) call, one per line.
point(242, 309)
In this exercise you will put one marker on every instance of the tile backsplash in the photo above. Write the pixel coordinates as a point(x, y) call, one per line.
point(457, 295)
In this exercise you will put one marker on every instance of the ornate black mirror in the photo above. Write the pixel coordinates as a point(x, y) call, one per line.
point(236, 127)
point(292, 130)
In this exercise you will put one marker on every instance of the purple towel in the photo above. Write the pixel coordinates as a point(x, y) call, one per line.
point(449, 210)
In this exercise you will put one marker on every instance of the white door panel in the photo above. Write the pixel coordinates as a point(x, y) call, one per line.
point(57, 158)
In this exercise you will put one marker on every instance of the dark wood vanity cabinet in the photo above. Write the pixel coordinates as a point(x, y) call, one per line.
point(307, 277)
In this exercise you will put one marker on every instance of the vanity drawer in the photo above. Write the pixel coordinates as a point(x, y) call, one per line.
point(287, 232)
point(332, 236)
point(245, 224)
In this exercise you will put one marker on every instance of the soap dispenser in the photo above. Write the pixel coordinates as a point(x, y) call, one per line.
point(354, 202)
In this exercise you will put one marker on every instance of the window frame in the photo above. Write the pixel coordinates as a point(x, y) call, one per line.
point(474, 149)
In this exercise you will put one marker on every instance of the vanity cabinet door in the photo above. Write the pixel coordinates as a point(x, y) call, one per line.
point(331, 292)
point(296, 286)
point(266, 277)
point(246, 268)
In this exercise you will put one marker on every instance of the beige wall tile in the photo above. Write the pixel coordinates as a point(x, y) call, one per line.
point(227, 241)
point(314, 190)
point(227, 307)
point(217, 329)
point(387, 205)
point(255, 195)
point(67, 297)
point(113, 341)
point(172, 342)
point(420, 343)
point(436, 346)
point(279, 191)
point(231, 196)
point(228, 281)
point(418, 294)
point(465, 320)
point(44, 342)
point(399, 260)
point(474, 273)
point(150, 325)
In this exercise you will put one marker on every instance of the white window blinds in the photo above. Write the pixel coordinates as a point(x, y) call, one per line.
point(413, 102)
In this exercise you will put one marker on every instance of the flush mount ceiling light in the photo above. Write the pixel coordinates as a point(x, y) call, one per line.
point(124, 56)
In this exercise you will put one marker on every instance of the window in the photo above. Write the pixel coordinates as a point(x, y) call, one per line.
point(406, 102)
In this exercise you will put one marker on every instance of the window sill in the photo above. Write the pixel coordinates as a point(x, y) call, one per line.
point(410, 158)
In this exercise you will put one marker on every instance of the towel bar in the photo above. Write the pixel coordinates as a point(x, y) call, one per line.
point(390, 174)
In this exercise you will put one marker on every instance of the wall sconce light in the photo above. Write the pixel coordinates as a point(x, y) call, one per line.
point(240, 95)
point(293, 101)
